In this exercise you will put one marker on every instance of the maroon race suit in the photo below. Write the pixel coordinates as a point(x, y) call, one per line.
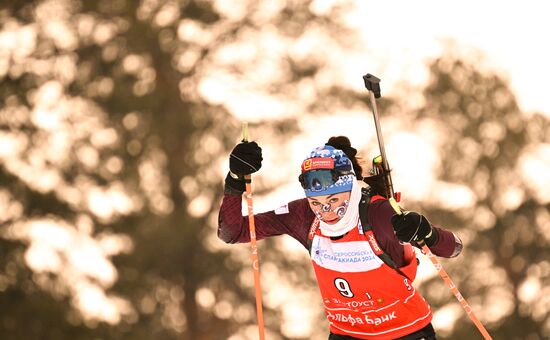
point(350, 276)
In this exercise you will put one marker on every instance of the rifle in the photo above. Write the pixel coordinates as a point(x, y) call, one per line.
point(380, 179)
point(381, 170)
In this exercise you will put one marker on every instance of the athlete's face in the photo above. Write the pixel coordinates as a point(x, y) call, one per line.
point(330, 208)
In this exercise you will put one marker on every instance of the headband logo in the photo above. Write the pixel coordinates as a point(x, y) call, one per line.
point(318, 163)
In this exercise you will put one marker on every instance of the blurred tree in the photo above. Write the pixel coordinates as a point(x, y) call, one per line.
point(485, 142)
point(114, 117)
point(111, 133)
point(490, 185)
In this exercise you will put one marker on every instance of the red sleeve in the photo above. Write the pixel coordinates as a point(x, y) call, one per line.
point(294, 220)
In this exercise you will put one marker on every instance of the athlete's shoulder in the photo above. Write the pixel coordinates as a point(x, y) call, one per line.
point(298, 205)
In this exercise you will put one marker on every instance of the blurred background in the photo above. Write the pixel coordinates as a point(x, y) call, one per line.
point(117, 118)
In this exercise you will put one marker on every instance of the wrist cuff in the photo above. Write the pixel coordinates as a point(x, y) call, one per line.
point(432, 238)
point(234, 186)
point(234, 176)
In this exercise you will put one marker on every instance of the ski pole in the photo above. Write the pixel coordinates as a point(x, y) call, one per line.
point(372, 84)
point(254, 248)
point(447, 279)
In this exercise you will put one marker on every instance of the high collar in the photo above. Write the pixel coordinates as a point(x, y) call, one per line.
point(351, 217)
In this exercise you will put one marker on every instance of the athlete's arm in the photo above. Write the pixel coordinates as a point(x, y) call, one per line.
point(293, 219)
point(448, 244)
point(413, 227)
point(445, 243)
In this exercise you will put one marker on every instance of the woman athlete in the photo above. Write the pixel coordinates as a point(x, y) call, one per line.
point(361, 251)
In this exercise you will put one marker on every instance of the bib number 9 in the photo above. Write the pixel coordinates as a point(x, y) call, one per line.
point(343, 287)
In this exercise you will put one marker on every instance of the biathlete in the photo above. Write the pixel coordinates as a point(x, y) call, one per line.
point(360, 249)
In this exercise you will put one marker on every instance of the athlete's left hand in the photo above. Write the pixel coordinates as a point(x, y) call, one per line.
point(411, 226)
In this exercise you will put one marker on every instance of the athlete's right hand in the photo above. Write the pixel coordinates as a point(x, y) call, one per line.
point(411, 226)
point(245, 159)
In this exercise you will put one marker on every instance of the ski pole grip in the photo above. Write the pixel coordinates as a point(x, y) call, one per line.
point(247, 178)
point(398, 211)
point(395, 206)
point(245, 132)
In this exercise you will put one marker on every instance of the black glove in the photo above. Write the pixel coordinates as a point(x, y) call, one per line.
point(411, 226)
point(246, 158)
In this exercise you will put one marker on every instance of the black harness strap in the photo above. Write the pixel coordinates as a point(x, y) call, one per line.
point(364, 217)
